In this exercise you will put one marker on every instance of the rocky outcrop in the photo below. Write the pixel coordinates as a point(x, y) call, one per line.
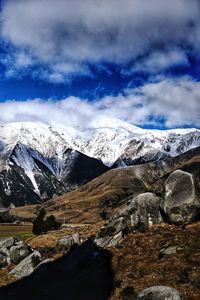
point(139, 213)
point(181, 201)
point(159, 293)
point(47, 177)
point(27, 265)
point(12, 251)
point(65, 243)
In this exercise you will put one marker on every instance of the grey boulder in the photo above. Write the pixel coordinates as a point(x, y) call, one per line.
point(12, 251)
point(181, 202)
point(65, 243)
point(27, 265)
point(140, 212)
point(159, 293)
point(147, 210)
point(7, 242)
point(19, 252)
point(111, 234)
point(3, 260)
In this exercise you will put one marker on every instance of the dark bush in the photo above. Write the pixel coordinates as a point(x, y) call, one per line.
point(51, 223)
point(40, 225)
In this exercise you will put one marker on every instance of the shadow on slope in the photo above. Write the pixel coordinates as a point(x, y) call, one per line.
point(86, 273)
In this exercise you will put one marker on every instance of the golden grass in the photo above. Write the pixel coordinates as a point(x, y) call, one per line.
point(139, 263)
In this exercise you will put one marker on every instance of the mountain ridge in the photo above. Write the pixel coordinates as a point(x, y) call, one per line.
point(42, 159)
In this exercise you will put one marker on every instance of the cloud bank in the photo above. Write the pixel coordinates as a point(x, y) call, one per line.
point(65, 36)
point(175, 102)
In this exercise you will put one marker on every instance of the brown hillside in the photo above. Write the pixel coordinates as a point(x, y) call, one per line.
point(103, 195)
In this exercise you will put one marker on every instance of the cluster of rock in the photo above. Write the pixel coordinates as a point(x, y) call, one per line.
point(30, 260)
point(179, 204)
point(12, 251)
point(15, 252)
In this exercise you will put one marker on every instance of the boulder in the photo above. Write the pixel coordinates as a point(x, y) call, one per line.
point(142, 209)
point(7, 242)
point(181, 202)
point(159, 293)
point(27, 265)
point(169, 250)
point(109, 241)
point(147, 207)
point(19, 252)
point(3, 260)
point(65, 243)
point(140, 212)
point(12, 250)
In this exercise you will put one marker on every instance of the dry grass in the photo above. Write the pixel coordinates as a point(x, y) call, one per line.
point(49, 240)
point(139, 262)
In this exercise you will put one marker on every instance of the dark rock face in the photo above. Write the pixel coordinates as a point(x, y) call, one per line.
point(20, 191)
point(159, 293)
point(84, 169)
point(181, 202)
point(31, 178)
point(83, 274)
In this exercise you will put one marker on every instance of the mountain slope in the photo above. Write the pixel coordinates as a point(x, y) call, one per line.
point(104, 195)
point(39, 162)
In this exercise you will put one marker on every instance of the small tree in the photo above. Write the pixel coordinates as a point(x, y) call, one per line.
point(51, 223)
point(42, 226)
point(39, 223)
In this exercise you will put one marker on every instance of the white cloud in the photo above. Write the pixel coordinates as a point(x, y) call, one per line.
point(176, 101)
point(159, 61)
point(65, 35)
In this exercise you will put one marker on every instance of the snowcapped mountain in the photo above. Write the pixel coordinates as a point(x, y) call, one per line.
point(121, 144)
point(39, 161)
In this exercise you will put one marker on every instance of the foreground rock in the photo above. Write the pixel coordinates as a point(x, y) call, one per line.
point(140, 212)
point(67, 242)
point(85, 273)
point(12, 251)
point(181, 202)
point(159, 293)
point(7, 242)
point(27, 265)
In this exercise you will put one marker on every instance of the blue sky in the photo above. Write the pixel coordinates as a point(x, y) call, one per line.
point(137, 60)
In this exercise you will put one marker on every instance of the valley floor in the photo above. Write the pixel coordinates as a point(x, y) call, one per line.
point(21, 231)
